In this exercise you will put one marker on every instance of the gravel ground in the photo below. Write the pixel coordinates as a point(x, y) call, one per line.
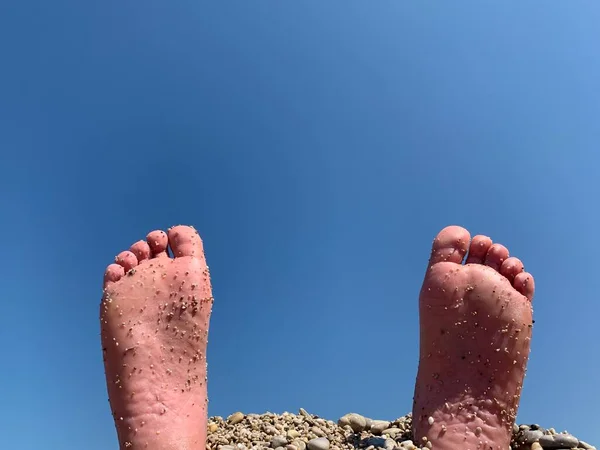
point(305, 431)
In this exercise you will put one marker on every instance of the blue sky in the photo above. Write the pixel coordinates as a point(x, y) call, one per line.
point(318, 147)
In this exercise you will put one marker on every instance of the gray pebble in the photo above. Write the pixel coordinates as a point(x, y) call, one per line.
point(278, 441)
point(531, 436)
point(515, 428)
point(558, 441)
point(318, 444)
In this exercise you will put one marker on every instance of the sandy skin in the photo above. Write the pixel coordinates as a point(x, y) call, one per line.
point(154, 319)
point(475, 332)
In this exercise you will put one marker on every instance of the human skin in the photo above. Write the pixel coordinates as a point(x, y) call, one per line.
point(154, 319)
point(475, 333)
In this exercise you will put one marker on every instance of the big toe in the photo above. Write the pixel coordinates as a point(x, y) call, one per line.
point(450, 245)
point(185, 241)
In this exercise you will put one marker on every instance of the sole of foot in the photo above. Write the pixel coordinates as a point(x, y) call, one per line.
point(475, 333)
point(154, 319)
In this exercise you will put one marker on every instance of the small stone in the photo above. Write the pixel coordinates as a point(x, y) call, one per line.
point(378, 426)
point(391, 431)
point(430, 420)
point(586, 446)
point(530, 436)
point(536, 446)
point(305, 414)
point(318, 432)
point(278, 441)
point(212, 427)
point(293, 434)
point(408, 445)
point(357, 422)
point(557, 441)
point(390, 444)
point(300, 444)
point(236, 417)
point(318, 444)
point(376, 441)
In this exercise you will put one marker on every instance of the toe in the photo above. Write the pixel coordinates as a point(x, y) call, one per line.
point(496, 255)
point(185, 241)
point(450, 245)
point(158, 242)
point(113, 273)
point(127, 260)
point(478, 249)
point(525, 284)
point(141, 250)
point(511, 267)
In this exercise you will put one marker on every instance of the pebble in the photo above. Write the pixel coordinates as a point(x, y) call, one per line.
point(318, 432)
point(305, 431)
point(531, 436)
point(558, 441)
point(235, 418)
point(318, 444)
point(376, 441)
point(357, 422)
point(391, 431)
point(278, 441)
point(377, 426)
point(293, 434)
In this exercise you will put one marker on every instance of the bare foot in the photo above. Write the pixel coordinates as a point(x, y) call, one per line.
point(154, 323)
point(476, 322)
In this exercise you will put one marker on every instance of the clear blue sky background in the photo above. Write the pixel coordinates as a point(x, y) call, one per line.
point(318, 147)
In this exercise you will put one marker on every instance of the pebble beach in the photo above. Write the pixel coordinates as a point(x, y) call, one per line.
point(305, 431)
